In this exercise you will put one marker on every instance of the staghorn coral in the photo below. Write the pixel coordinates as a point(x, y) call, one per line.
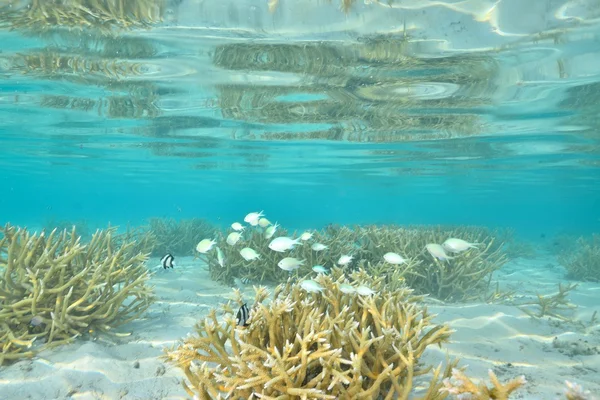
point(54, 289)
point(326, 345)
point(179, 237)
point(139, 240)
point(551, 305)
point(466, 277)
point(265, 269)
point(583, 261)
point(462, 387)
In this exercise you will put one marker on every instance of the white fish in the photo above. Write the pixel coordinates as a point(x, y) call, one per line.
point(263, 222)
point(270, 231)
point(364, 291)
point(283, 243)
point(233, 238)
point(220, 258)
point(249, 254)
point(306, 236)
point(319, 269)
point(454, 245)
point(318, 247)
point(290, 263)
point(237, 226)
point(344, 260)
point(346, 288)
point(311, 286)
point(205, 245)
point(393, 258)
point(438, 252)
point(253, 217)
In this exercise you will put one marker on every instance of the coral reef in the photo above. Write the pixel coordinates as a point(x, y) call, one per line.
point(54, 289)
point(318, 345)
point(583, 261)
point(265, 269)
point(466, 276)
point(179, 237)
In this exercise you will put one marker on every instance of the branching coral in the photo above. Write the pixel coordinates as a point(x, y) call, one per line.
point(583, 261)
point(54, 289)
point(179, 237)
point(326, 345)
point(464, 277)
point(462, 387)
point(265, 268)
point(551, 305)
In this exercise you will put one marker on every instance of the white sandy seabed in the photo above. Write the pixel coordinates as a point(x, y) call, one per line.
point(496, 336)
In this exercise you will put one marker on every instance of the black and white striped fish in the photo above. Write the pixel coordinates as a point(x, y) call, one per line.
point(243, 315)
point(245, 281)
point(167, 261)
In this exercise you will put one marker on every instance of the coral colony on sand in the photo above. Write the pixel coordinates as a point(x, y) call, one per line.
point(54, 289)
point(455, 270)
point(346, 321)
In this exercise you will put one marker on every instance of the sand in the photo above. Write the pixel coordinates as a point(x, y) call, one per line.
point(496, 336)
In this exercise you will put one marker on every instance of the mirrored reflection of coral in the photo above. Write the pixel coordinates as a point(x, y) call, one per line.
point(101, 14)
point(321, 345)
point(54, 289)
point(401, 98)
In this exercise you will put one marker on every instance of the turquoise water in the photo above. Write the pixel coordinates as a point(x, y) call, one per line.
point(202, 115)
point(411, 112)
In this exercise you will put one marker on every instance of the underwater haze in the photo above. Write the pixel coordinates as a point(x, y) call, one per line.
point(399, 119)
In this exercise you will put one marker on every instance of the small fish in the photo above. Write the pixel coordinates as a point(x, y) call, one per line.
point(243, 315)
point(205, 245)
point(249, 254)
point(283, 243)
point(168, 261)
point(263, 222)
point(236, 226)
point(36, 321)
point(318, 247)
point(290, 263)
point(306, 236)
point(311, 286)
point(245, 280)
point(393, 258)
point(253, 217)
point(345, 260)
point(270, 231)
point(454, 245)
point(233, 238)
point(320, 269)
point(346, 288)
point(438, 252)
point(220, 258)
point(364, 291)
